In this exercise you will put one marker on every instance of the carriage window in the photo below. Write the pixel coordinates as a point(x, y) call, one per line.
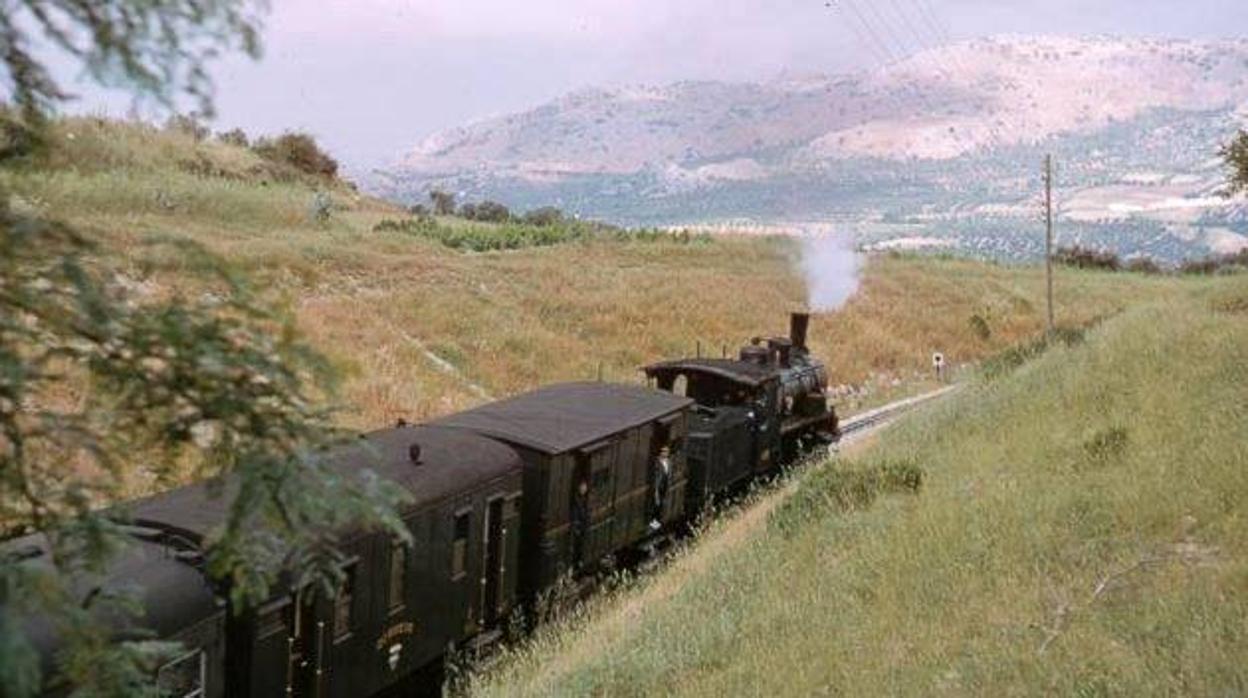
point(600, 476)
point(183, 677)
point(342, 606)
point(398, 575)
point(459, 546)
point(680, 386)
point(600, 480)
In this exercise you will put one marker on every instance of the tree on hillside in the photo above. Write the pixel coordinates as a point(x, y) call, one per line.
point(235, 137)
point(300, 151)
point(547, 215)
point(104, 390)
point(1235, 154)
point(188, 124)
point(443, 202)
point(493, 212)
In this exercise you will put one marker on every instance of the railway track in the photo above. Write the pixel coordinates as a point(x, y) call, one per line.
point(861, 424)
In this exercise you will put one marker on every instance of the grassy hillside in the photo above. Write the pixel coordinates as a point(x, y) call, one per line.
point(1079, 531)
point(421, 329)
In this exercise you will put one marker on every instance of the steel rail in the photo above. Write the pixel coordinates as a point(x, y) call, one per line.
point(877, 417)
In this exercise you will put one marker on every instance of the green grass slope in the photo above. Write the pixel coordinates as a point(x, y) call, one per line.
point(1080, 530)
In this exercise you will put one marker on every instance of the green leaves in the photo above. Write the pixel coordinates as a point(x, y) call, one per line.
point(157, 48)
point(19, 672)
point(1235, 154)
point(105, 391)
point(515, 234)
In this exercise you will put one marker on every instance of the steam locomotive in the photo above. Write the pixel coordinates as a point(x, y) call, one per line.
point(506, 499)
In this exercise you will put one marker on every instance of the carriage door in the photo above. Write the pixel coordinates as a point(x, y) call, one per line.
point(601, 457)
point(492, 562)
point(306, 643)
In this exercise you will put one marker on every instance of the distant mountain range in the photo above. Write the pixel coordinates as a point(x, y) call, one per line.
point(941, 149)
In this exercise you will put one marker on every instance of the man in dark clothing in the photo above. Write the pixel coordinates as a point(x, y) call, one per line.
point(662, 479)
point(580, 522)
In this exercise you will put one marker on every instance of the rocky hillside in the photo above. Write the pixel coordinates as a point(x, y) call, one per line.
point(938, 104)
point(940, 132)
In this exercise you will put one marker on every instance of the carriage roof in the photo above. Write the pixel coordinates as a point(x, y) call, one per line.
point(451, 461)
point(562, 417)
point(746, 373)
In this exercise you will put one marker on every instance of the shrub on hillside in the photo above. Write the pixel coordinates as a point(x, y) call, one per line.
point(1235, 155)
point(1216, 264)
point(492, 212)
point(443, 202)
point(980, 327)
point(423, 226)
point(1010, 359)
point(418, 210)
point(837, 488)
point(1207, 265)
point(1106, 444)
point(1087, 258)
point(680, 237)
point(547, 215)
point(199, 164)
point(299, 151)
point(188, 124)
point(321, 208)
point(1143, 265)
point(508, 236)
point(236, 137)
point(18, 137)
point(468, 211)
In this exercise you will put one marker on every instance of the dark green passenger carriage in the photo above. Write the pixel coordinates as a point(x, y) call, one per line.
point(625, 442)
point(399, 610)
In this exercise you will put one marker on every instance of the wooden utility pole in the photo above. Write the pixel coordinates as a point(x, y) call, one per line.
point(1048, 235)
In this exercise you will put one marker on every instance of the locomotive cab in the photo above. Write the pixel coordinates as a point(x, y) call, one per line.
point(753, 413)
point(734, 430)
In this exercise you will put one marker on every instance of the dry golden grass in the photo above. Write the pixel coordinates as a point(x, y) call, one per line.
point(381, 303)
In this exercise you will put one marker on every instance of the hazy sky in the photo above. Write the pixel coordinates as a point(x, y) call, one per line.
point(370, 78)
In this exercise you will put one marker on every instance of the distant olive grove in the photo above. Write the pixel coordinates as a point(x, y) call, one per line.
point(488, 211)
point(1235, 156)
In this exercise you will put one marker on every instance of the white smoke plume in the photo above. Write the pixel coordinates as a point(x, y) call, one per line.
point(830, 266)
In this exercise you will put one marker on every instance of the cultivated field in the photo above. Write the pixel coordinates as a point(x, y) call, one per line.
point(1079, 530)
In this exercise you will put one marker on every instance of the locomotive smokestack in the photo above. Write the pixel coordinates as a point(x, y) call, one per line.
point(798, 324)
